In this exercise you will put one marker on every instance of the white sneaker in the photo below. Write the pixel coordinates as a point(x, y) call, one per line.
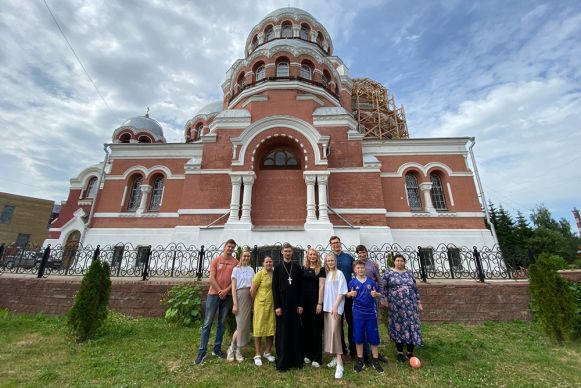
point(230, 354)
point(315, 364)
point(257, 361)
point(339, 372)
point(269, 357)
point(307, 361)
point(239, 356)
point(332, 363)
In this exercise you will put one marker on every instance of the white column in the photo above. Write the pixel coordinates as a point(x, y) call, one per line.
point(425, 188)
point(322, 184)
point(311, 206)
point(248, 181)
point(235, 199)
point(145, 189)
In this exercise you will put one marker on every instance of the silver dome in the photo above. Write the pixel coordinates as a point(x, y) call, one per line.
point(213, 107)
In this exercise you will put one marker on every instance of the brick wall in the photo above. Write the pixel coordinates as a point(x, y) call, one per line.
point(465, 302)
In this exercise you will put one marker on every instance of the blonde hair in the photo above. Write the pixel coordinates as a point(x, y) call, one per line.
point(328, 270)
point(244, 250)
point(307, 264)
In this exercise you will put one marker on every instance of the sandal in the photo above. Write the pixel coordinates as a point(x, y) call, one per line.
point(257, 361)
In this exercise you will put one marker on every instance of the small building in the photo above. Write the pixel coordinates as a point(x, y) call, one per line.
point(24, 220)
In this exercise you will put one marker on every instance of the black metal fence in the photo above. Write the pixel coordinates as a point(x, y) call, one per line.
point(446, 261)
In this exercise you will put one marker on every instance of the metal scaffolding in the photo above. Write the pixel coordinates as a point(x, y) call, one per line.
point(376, 113)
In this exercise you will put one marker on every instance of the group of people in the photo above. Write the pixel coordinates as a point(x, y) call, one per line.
point(302, 309)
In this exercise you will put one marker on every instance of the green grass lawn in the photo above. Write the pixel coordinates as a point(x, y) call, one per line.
point(36, 351)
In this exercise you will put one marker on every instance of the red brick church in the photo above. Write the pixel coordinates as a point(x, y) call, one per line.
point(296, 150)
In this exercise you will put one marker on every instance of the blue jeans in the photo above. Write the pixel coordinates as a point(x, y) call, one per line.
point(213, 304)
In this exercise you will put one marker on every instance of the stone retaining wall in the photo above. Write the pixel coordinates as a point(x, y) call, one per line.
point(450, 301)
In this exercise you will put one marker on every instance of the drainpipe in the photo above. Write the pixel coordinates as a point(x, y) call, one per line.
point(481, 191)
point(101, 177)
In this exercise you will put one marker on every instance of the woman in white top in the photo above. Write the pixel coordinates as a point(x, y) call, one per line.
point(333, 307)
point(241, 305)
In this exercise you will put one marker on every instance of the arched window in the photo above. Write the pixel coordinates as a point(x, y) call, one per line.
point(240, 82)
point(306, 71)
point(156, 193)
point(280, 158)
point(413, 191)
point(325, 79)
point(286, 30)
point(91, 190)
point(320, 39)
point(135, 193)
point(144, 139)
point(125, 138)
point(437, 192)
point(305, 32)
point(282, 69)
point(268, 34)
point(254, 42)
point(260, 72)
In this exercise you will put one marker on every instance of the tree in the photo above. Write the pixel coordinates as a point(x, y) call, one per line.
point(90, 308)
point(552, 236)
point(551, 297)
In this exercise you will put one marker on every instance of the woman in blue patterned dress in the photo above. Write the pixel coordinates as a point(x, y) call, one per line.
point(403, 309)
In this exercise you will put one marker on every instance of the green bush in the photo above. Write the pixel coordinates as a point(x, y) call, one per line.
point(551, 297)
point(576, 289)
point(90, 308)
point(184, 304)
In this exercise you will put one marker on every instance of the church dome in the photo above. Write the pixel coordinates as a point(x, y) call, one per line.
point(140, 129)
point(213, 107)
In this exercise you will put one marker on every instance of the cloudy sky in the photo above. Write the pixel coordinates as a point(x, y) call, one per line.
point(506, 72)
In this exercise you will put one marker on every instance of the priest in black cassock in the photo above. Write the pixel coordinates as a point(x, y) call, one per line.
point(287, 283)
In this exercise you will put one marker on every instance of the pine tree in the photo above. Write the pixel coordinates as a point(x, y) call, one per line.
point(90, 308)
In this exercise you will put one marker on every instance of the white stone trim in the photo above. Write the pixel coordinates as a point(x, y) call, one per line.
point(313, 136)
point(424, 170)
point(80, 181)
point(353, 170)
point(146, 173)
point(437, 214)
point(209, 172)
point(258, 98)
point(136, 215)
point(306, 97)
point(435, 146)
point(202, 211)
point(284, 85)
point(155, 151)
point(360, 211)
point(450, 194)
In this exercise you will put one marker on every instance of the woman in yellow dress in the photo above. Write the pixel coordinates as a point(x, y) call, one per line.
point(263, 321)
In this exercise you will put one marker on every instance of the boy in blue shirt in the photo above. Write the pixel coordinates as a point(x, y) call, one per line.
point(363, 290)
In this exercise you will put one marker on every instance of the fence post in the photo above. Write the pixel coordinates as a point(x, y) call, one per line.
point(423, 274)
point(146, 266)
point(255, 257)
point(1, 250)
point(478, 265)
point(173, 262)
point(96, 253)
point(450, 262)
point(200, 263)
point(45, 257)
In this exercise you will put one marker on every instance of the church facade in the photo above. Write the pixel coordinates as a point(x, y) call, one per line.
point(296, 151)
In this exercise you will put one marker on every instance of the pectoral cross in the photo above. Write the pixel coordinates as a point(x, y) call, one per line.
point(290, 280)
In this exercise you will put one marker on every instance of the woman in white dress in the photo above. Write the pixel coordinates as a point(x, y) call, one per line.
point(333, 307)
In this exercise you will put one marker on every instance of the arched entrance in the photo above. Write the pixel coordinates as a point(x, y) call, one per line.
point(279, 193)
point(70, 248)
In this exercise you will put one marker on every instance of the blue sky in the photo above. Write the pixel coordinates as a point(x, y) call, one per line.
point(507, 73)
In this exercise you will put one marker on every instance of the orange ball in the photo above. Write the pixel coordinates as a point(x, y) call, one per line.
point(415, 362)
